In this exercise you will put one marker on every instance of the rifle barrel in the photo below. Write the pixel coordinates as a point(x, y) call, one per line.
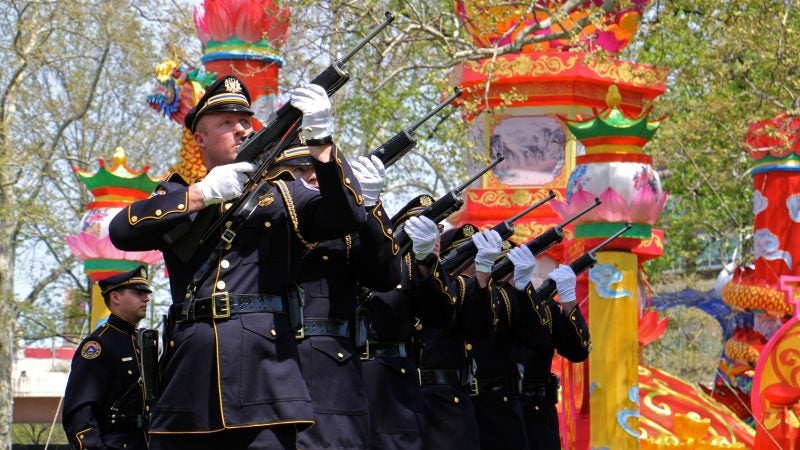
point(439, 107)
point(611, 238)
point(389, 19)
point(498, 159)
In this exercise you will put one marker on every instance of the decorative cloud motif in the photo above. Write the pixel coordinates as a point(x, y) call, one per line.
point(603, 276)
point(767, 245)
point(793, 205)
point(760, 202)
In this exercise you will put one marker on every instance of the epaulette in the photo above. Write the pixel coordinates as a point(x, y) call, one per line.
point(176, 177)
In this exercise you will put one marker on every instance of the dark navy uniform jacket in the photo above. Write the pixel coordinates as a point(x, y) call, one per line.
point(497, 407)
point(331, 275)
point(393, 390)
point(449, 416)
point(242, 371)
point(104, 382)
point(553, 331)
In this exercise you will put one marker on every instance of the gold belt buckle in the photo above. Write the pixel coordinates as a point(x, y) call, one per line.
point(225, 311)
point(473, 388)
point(365, 353)
point(301, 333)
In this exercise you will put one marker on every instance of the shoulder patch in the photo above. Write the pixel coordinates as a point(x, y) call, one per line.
point(91, 350)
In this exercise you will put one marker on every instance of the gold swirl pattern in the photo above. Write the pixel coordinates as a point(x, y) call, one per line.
point(504, 198)
point(626, 72)
point(525, 65)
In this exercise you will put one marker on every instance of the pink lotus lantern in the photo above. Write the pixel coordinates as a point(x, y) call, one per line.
point(113, 188)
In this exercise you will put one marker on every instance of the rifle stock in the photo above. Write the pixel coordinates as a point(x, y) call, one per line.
point(456, 260)
point(262, 147)
point(401, 143)
point(548, 288)
point(444, 206)
point(541, 243)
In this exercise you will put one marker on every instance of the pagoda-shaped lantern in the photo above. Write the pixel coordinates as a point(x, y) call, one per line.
point(114, 187)
point(243, 38)
point(615, 169)
point(519, 100)
point(770, 288)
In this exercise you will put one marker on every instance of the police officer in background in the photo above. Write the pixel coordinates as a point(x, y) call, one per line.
point(104, 401)
point(231, 377)
point(330, 275)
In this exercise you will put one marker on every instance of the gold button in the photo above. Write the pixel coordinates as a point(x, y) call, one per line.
point(536, 408)
point(584, 343)
point(468, 347)
point(220, 285)
point(402, 370)
point(187, 296)
point(158, 212)
point(80, 436)
point(378, 213)
point(418, 327)
point(147, 408)
point(436, 274)
point(389, 230)
point(172, 343)
point(456, 400)
point(340, 355)
point(338, 160)
point(228, 224)
point(399, 286)
point(505, 399)
point(445, 289)
point(267, 224)
point(324, 257)
point(181, 205)
point(224, 264)
point(273, 332)
point(130, 372)
point(347, 180)
point(134, 218)
point(228, 206)
point(228, 246)
point(453, 300)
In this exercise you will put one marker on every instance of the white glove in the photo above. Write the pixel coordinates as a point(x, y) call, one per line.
point(524, 262)
point(489, 244)
point(223, 183)
point(565, 282)
point(313, 101)
point(423, 233)
point(371, 176)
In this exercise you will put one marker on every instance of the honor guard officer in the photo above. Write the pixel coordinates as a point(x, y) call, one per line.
point(231, 374)
point(498, 380)
point(330, 275)
point(446, 366)
point(389, 361)
point(561, 327)
point(104, 401)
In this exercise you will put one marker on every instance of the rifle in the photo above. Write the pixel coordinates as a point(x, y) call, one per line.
point(262, 147)
point(541, 243)
point(148, 354)
point(548, 288)
point(456, 259)
point(402, 142)
point(444, 206)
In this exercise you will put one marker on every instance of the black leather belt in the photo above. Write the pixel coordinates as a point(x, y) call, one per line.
point(380, 349)
point(491, 384)
point(450, 377)
point(324, 327)
point(224, 305)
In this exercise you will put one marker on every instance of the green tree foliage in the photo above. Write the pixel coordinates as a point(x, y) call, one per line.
point(71, 91)
point(731, 63)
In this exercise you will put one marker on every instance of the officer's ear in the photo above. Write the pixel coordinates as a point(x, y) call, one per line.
point(113, 298)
